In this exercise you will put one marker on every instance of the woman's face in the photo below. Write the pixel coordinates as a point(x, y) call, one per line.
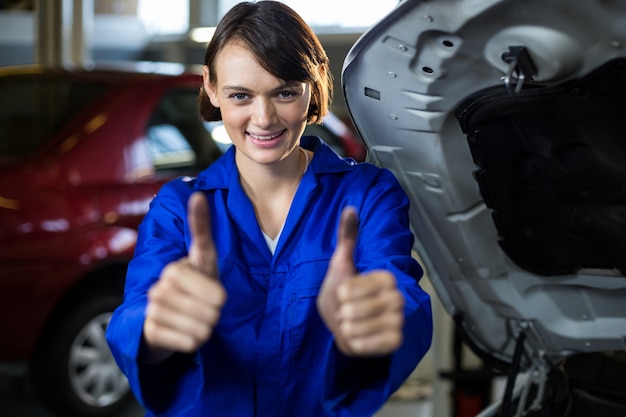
point(264, 116)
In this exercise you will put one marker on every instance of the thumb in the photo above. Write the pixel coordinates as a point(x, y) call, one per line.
point(343, 258)
point(202, 253)
point(340, 269)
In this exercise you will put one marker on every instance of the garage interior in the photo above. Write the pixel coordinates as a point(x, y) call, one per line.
point(87, 32)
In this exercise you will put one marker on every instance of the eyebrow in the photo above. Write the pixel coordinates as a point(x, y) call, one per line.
point(281, 87)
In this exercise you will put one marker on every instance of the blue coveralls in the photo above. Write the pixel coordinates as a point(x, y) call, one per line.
point(271, 355)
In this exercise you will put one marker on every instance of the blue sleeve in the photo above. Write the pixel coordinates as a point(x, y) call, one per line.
point(162, 238)
point(356, 386)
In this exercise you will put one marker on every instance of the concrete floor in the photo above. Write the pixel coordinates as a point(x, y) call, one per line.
point(421, 408)
point(16, 400)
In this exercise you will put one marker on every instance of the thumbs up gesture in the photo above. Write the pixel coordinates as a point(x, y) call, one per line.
point(364, 312)
point(185, 304)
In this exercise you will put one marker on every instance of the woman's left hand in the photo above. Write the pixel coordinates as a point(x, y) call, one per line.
point(365, 312)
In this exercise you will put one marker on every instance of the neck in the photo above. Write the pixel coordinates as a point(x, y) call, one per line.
point(278, 178)
point(272, 189)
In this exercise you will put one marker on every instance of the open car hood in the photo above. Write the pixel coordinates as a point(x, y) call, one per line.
point(505, 122)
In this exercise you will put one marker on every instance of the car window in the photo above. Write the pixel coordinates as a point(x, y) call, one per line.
point(180, 143)
point(33, 108)
point(169, 148)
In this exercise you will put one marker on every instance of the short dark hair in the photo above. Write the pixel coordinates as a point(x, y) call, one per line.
point(282, 43)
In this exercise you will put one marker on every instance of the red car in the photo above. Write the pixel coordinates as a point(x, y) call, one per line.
point(82, 153)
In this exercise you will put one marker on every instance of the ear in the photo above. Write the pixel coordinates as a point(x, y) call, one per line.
point(209, 87)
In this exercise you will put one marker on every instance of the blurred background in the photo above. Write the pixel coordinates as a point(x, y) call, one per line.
point(82, 32)
point(55, 300)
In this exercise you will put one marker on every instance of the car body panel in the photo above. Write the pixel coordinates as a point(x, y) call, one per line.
point(406, 81)
point(73, 206)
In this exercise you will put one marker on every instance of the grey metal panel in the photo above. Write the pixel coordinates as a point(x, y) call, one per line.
point(402, 81)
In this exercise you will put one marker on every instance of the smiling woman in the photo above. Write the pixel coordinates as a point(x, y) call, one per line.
point(280, 280)
point(263, 116)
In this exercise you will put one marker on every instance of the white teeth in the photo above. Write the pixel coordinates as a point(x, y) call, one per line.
point(265, 137)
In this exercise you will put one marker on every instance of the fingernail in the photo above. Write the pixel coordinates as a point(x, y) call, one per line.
point(351, 226)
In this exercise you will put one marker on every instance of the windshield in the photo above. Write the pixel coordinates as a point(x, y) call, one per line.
point(33, 108)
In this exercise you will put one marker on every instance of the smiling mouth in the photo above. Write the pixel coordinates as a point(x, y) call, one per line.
point(262, 138)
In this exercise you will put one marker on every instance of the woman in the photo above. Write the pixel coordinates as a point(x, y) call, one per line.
point(280, 281)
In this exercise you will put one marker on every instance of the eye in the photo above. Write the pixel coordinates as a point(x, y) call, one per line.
point(239, 96)
point(286, 94)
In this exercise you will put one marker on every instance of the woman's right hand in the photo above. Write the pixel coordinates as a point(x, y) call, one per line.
point(185, 304)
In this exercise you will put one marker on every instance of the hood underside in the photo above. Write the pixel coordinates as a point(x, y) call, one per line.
point(505, 122)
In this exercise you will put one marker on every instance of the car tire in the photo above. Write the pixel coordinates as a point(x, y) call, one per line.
point(72, 371)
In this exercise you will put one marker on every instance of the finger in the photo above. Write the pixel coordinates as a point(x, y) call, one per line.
point(175, 320)
point(366, 308)
point(168, 338)
point(378, 344)
point(340, 269)
point(202, 253)
point(348, 229)
point(194, 288)
point(368, 284)
point(391, 320)
point(346, 238)
point(199, 299)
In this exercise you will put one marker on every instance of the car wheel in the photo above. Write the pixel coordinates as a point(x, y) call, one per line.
point(73, 372)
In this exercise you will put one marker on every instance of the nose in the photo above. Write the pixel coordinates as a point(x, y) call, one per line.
point(264, 113)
